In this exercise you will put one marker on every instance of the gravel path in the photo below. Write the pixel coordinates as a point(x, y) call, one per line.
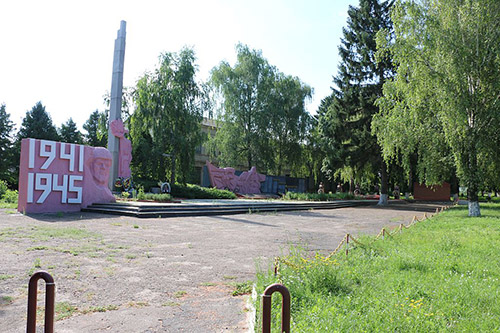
point(123, 274)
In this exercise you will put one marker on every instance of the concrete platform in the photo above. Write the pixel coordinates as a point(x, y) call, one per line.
point(216, 207)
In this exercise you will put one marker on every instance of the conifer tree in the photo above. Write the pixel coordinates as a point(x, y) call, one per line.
point(97, 131)
point(38, 125)
point(345, 118)
point(6, 153)
point(69, 133)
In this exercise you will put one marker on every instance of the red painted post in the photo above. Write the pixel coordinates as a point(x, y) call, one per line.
point(285, 308)
point(50, 287)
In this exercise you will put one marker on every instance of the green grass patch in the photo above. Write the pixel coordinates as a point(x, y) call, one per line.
point(180, 294)
point(63, 310)
point(4, 300)
point(171, 304)
point(44, 233)
point(6, 277)
point(318, 197)
point(440, 275)
point(93, 309)
point(242, 288)
point(8, 205)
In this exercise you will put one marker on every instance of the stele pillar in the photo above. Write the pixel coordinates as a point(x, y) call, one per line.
point(116, 100)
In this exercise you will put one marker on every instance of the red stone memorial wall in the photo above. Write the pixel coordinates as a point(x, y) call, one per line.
point(431, 193)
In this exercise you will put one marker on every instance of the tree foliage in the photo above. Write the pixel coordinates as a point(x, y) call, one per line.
point(97, 129)
point(262, 119)
point(6, 145)
point(288, 121)
point(38, 125)
point(345, 117)
point(448, 63)
point(69, 132)
point(165, 127)
point(242, 137)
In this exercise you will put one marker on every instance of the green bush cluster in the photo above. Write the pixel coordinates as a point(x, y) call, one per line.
point(160, 197)
point(146, 184)
point(436, 276)
point(3, 188)
point(318, 197)
point(10, 196)
point(190, 191)
point(6, 195)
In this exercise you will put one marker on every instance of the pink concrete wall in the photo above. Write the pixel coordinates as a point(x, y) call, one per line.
point(62, 177)
point(225, 178)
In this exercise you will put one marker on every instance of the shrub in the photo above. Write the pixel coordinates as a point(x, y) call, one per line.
point(190, 191)
point(140, 194)
point(161, 197)
point(146, 184)
point(3, 188)
point(318, 197)
point(10, 196)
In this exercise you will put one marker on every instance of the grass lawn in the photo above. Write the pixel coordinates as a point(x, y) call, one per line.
point(10, 205)
point(442, 274)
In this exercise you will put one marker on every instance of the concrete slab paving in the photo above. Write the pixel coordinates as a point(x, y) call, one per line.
point(125, 274)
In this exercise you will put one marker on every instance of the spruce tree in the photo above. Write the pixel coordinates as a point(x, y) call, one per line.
point(69, 133)
point(38, 125)
point(345, 121)
point(97, 130)
point(6, 153)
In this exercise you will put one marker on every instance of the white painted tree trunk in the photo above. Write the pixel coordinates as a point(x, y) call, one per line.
point(407, 195)
point(474, 209)
point(384, 200)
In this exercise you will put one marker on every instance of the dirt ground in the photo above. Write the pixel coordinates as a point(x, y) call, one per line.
point(123, 274)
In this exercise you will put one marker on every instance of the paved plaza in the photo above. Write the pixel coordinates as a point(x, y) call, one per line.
point(125, 274)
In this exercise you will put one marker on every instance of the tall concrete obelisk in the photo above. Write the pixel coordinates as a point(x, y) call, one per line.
point(115, 108)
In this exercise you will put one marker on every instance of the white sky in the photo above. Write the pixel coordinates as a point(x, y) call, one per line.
point(61, 52)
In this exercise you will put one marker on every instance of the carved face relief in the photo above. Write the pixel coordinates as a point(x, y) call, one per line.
point(100, 170)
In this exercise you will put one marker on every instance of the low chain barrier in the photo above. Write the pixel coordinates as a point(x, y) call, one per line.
point(345, 242)
point(50, 287)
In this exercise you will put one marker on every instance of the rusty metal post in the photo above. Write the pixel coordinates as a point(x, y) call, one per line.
point(285, 308)
point(347, 244)
point(50, 287)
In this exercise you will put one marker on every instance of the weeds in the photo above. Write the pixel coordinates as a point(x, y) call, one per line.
point(180, 294)
point(242, 288)
point(436, 276)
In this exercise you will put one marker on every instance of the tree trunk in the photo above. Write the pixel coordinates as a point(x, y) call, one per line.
point(172, 170)
point(351, 186)
point(472, 176)
point(384, 188)
point(474, 210)
point(410, 185)
point(454, 187)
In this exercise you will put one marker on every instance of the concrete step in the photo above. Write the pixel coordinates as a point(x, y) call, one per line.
point(148, 210)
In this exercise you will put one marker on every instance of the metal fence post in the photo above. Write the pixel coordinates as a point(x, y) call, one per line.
point(285, 308)
point(49, 301)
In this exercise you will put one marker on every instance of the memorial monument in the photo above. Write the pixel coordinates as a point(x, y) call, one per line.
point(62, 177)
point(248, 182)
point(116, 101)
